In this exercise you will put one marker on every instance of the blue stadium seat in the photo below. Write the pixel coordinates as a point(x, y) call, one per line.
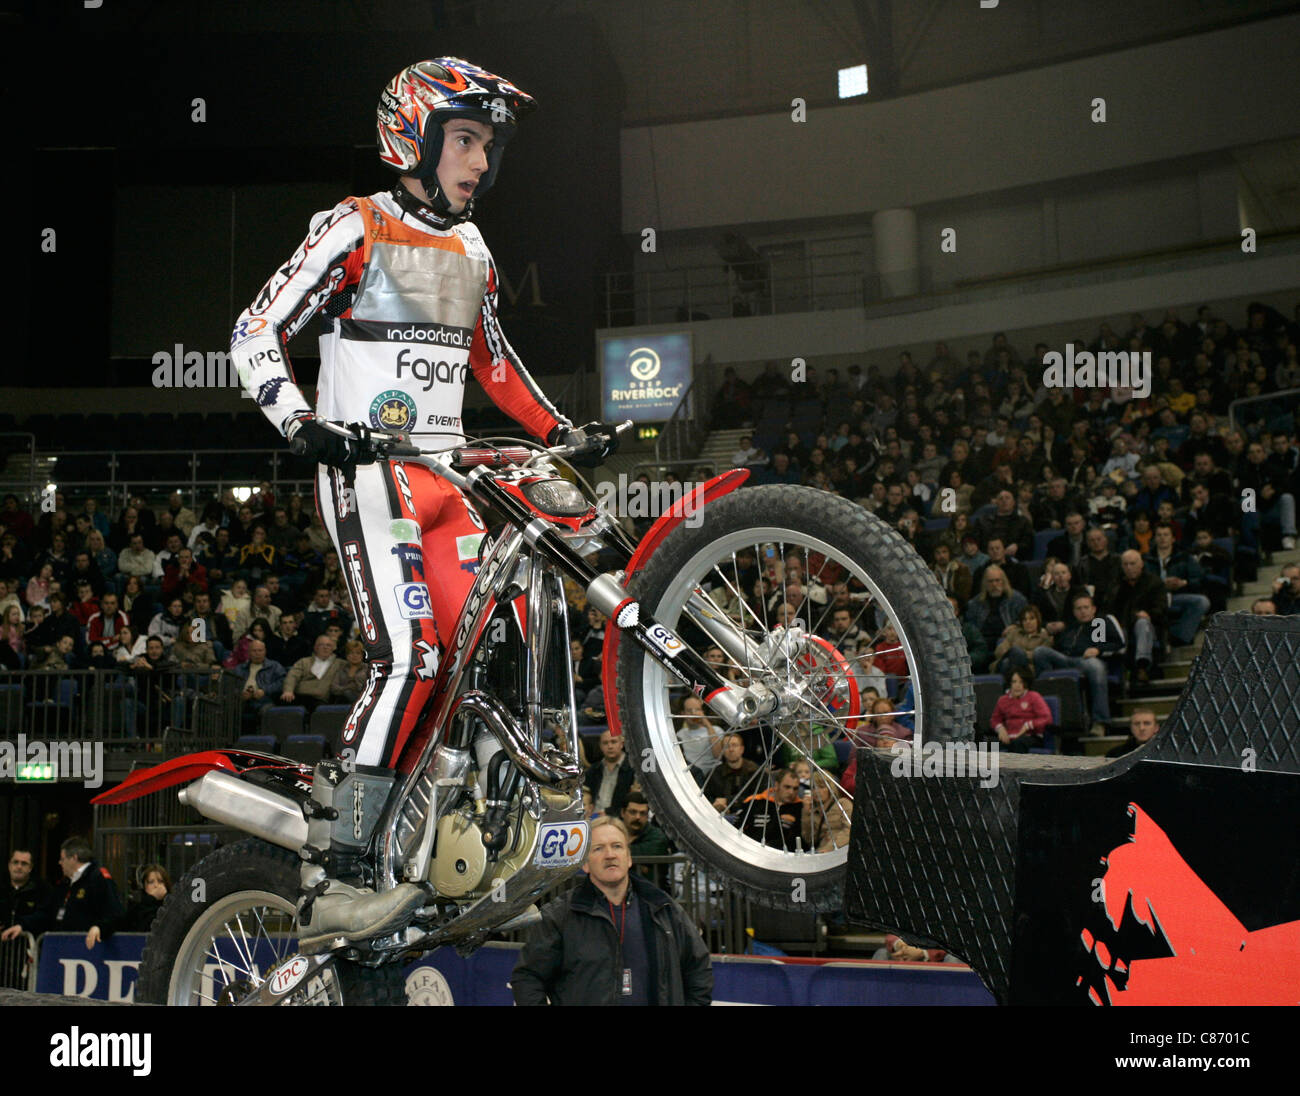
point(1066, 687)
point(11, 707)
point(308, 748)
point(988, 689)
point(327, 721)
point(1042, 539)
point(281, 720)
point(263, 742)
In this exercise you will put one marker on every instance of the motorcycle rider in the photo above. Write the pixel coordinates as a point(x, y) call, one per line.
point(407, 291)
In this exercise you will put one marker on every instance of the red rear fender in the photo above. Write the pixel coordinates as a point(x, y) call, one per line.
point(181, 770)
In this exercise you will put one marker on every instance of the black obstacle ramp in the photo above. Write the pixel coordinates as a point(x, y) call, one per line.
point(1054, 882)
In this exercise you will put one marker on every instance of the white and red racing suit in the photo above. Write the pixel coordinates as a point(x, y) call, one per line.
point(409, 311)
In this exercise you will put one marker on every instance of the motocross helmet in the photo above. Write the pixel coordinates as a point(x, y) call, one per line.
point(420, 98)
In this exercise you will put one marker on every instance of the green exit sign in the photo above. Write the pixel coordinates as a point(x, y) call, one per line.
point(35, 773)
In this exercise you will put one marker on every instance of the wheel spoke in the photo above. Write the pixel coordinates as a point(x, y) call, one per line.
point(817, 674)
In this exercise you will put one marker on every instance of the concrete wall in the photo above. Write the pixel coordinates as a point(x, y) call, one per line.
point(1164, 102)
point(855, 332)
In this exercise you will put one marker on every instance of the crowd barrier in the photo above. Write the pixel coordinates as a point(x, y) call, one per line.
point(18, 963)
point(108, 972)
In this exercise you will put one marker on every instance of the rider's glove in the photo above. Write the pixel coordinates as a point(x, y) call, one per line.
point(603, 438)
point(308, 438)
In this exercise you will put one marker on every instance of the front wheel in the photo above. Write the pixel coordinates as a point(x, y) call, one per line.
point(826, 605)
point(229, 922)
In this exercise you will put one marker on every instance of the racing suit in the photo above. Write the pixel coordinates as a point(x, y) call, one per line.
point(409, 311)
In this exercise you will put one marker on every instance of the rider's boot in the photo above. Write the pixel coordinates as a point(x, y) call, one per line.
point(331, 911)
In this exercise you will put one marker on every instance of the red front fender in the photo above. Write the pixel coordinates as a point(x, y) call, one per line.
point(722, 484)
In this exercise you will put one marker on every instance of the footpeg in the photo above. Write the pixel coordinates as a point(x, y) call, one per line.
point(343, 914)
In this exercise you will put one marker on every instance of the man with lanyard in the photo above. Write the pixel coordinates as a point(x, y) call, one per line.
point(615, 939)
point(407, 292)
point(85, 901)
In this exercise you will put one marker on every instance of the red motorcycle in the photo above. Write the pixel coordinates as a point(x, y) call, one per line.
point(732, 597)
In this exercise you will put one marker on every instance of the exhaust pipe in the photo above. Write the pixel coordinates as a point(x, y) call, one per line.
point(263, 813)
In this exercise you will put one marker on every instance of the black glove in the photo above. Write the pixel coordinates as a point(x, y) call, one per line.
point(597, 440)
point(308, 438)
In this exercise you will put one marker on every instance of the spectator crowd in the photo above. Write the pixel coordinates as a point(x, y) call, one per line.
point(1089, 529)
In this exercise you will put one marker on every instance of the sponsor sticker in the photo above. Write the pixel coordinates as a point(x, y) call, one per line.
point(467, 547)
point(360, 591)
point(269, 391)
point(404, 486)
point(392, 410)
point(662, 638)
point(426, 986)
point(247, 329)
point(413, 600)
point(289, 975)
point(409, 553)
point(560, 845)
point(403, 529)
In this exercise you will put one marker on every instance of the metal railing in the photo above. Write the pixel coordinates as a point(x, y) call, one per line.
point(714, 904)
point(26, 483)
point(684, 433)
point(125, 712)
point(18, 962)
point(828, 277)
point(1255, 413)
point(199, 474)
point(842, 279)
point(155, 829)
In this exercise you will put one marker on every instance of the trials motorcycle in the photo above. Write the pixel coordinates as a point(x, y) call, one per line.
point(730, 597)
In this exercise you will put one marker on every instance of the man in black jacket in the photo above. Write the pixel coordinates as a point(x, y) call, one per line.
point(1273, 502)
point(1007, 523)
point(615, 939)
point(1099, 568)
point(85, 901)
point(606, 783)
point(1216, 514)
point(23, 894)
point(1071, 546)
point(1139, 604)
point(1083, 646)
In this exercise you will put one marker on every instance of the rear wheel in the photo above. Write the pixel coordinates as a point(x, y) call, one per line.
point(902, 640)
point(229, 922)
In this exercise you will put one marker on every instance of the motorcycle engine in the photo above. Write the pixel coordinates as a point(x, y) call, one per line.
point(459, 867)
point(460, 862)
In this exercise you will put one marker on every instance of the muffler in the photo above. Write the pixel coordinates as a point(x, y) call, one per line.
point(263, 813)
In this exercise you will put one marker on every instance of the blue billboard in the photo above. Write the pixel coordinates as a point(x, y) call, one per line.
point(644, 377)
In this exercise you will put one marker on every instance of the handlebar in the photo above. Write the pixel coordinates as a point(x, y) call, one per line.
point(378, 444)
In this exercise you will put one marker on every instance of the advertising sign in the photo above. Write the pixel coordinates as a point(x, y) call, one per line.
point(644, 377)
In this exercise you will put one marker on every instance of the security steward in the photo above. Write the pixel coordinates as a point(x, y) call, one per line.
point(615, 939)
point(23, 894)
point(86, 900)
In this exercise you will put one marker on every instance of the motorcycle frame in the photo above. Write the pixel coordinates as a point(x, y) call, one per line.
point(534, 546)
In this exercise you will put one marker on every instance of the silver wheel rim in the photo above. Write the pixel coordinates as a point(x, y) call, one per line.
point(226, 943)
point(656, 697)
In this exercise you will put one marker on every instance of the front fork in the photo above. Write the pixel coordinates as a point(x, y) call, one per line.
point(737, 705)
